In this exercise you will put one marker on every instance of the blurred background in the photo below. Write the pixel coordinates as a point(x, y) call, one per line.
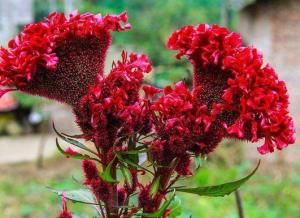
point(29, 162)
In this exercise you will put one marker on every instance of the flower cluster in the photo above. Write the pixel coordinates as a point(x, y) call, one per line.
point(233, 95)
point(59, 58)
point(183, 127)
point(248, 98)
point(113, 108)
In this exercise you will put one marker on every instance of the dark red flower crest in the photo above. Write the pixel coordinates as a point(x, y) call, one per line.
point(101, 189)
point(59, 58)
point(147, 201)
point(90, 171)
point(249, 100)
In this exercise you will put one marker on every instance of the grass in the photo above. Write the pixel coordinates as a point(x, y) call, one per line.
point(23, 191)
point(263, 195)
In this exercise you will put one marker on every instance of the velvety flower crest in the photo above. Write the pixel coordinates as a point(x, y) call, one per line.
point(59, 57)
point(245, 98)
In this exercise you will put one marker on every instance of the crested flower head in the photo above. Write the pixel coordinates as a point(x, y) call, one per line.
point(112, 107)
point(59, 57)
point(183, 127)
point(246, 97)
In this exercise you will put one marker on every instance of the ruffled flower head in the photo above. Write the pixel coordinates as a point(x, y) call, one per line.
point(249, 100)
point(183, 127)
point(59, 57)
point(113, 107)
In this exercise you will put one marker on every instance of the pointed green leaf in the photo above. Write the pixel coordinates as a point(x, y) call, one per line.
point(154, 186)
point(176, 208)
point(78, 136)
point(126, 174)
point(74, 142)
point(219, 190)
point(129, 162)
point(75, 156)
point(84, 196)
point(106, 175)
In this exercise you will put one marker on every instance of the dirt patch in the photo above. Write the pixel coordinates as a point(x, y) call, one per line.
point(54, 167)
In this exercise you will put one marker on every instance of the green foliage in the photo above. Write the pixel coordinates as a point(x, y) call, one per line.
point(263, 196)
point(77, 195)
point(27, 101)
point(152, 23)
point(34, 200)
point(219, 190)
point(176, 208)
point(72, 141)
point(24, 197)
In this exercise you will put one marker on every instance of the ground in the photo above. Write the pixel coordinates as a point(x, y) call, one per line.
point(24, 192)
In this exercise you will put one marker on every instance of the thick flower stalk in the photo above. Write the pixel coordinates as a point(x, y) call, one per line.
point(111, 115)
point(140, 131)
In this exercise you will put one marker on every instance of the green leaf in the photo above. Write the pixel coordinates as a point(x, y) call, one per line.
point(219, 190)
point(75, 156)
point(162, 209)
point(84, 196)
point(129, 162)
point(106, 175)
point(134, 158)
point(74, 142)
point(139, 214)
point(176, 208)
point(126, 174)
point(154, 186)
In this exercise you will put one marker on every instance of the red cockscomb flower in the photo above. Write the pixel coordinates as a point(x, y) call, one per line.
point(59, 58)
point(113, 103)
point(249, 100)
point(183, 127)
